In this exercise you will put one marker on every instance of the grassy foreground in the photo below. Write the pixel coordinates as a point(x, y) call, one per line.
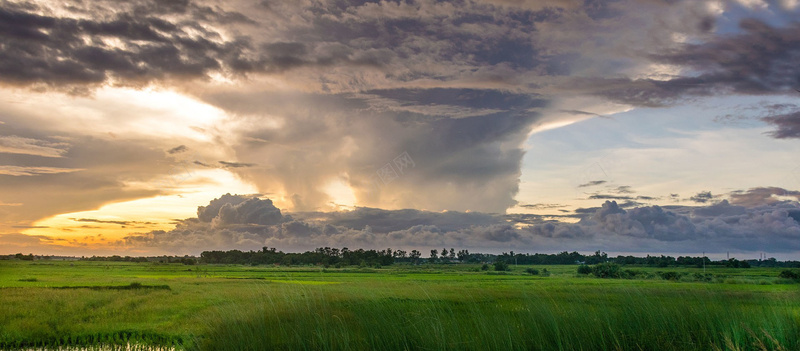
point(52, 304)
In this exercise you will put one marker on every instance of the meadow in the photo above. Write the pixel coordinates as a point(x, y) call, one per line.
point(50, 305)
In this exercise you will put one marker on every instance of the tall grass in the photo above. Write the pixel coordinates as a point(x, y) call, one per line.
point(541, 319)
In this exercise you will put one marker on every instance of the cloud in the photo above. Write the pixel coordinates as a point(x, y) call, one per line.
point(133, 44)
point(123, 223)
point(18, 145)
point(623, 189)
point(34, 171)
point(541, 206)
point(389, 159)
point(760, 60)
point(177, 149)
point(788, 125)
point(92, 173)
point(762, 196)
point(227, 164)
point(244, 222)
point(417, 104)
point(609, 197)
point(702, 197)
point(592, 183)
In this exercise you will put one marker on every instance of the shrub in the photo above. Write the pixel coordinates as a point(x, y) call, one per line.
point(669, 275)
point(606, 270)
point(789, 274)
point(584, 269)
point(630, 274)
point(485, 267)
point(532, 271)
point(545, 272)
point(500, 266)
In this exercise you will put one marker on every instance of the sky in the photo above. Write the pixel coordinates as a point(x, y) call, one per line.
point(169, 127)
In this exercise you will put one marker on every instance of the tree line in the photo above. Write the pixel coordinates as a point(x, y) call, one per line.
point(328, 256)
point(345, 257)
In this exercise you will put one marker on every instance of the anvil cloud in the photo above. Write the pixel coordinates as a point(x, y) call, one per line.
point(417, 106)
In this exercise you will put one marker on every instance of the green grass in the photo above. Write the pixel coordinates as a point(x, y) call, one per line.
point(455, 307)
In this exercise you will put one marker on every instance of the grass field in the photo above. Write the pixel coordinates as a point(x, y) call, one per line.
point(49, 305)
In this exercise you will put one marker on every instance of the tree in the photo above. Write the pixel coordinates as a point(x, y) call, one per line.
point(500, 266)
point(415, 255)
point(434, 254)
point(463, 255)
point(452, 254)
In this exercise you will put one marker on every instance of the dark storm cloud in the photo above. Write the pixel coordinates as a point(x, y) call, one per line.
point(392, 159)
point(715, 228)
point(405, 42)
point(456, 87)
point(788, 125)
point(47, 49)
point(758, 61)
point(384, 221)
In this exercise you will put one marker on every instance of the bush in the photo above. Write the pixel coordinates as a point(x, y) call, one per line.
point(532, 271)
point(485, 267)
point(500, 266)
point(545, 272)
point(630, 274)
point(789, 274)
point(584, 269)
point(669, 275)
point(606, 270)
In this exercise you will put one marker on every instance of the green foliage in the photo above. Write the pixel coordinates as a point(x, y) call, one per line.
point(790, 274)
point(607, 270)
point(485, 267)
point(584, 269)
point(20, 256)
point(501, 266)
point(532, 271)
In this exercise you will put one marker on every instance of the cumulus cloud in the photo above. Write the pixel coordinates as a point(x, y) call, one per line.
point(244, 222)
point(417, 104)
